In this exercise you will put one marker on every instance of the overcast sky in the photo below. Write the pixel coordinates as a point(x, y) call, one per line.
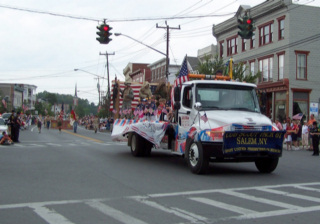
point(44, 48)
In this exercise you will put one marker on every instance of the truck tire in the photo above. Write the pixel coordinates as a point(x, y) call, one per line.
point(137, 145)
point(267, 165)
point(196, 158)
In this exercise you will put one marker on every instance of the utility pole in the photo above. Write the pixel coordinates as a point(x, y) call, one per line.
point(167, 27)
point(106, 54)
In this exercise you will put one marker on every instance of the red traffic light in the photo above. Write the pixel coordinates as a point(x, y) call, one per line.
point(249, 21)
point(106, 28)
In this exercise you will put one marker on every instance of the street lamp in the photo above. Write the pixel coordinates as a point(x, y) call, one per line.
point(167, 58)
point(121, 34)
point(98, 85)
point(78, 69)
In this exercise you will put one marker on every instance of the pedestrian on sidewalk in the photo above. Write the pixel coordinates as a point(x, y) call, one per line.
point(294, 134)
point(17, 125)
point(75, 125)
point(47, 121)
point(39, 123)
point(59, 123)
point(314, 132)
point(288, 138)
point(305, 135)
point(310, 124)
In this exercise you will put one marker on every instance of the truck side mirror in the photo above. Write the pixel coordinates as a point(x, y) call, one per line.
point(176, 94)
point(198, 106)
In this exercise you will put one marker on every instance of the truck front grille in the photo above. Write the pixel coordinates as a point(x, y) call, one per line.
point(238, 127)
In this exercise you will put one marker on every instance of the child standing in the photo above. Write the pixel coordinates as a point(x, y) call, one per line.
point(294, 134)
point(288, 135)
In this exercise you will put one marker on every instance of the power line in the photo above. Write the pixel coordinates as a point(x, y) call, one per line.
point(113, 20)
point(49, 13)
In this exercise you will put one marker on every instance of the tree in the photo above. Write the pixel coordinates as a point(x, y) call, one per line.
point(239, 73)
point(210, 67)
point(52, 98)
point(83, 108)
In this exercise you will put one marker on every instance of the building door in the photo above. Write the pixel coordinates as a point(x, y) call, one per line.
point(269, 105)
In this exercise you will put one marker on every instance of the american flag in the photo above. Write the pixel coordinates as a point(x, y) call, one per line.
point(182, 77)
point(135, 87)
point(204, 117)
point(4, 103)
point(297, 116)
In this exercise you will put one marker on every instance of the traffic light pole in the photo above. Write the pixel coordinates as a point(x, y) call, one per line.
point(106, 54)
point(167, 27)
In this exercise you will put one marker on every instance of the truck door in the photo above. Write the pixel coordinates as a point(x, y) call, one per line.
point(184, 117)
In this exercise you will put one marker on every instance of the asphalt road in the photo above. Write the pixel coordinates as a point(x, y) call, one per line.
point(85, 178)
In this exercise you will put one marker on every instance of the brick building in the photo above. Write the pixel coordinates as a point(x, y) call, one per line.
point(137, 72)
point(285, 49)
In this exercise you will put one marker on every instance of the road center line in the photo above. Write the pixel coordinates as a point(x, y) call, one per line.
point(81, 136)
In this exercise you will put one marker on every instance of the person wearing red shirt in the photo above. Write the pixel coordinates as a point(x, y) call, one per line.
point(288, 135)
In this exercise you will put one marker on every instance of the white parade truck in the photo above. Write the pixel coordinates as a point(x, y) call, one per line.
point(214, 121)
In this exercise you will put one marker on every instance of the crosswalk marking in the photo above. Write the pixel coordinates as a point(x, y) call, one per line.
point(178, 212)
point(259, 199)
point(308, 188)
point(18, 145)
point(269, 214)
point(303, 197)
point(116, 214)
point(51, 216)
point(36, 145)
point(53, 144)
point(232, 208)
point(202, 199)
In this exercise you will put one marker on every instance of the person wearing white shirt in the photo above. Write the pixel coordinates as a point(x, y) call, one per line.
point(305, 134)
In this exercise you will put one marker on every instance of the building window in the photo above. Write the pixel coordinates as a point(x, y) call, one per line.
point(221, 49)
point(281, 28)
point(280, 65)
point(280, 105)
point(266, 34)
point(265, 67)
point(252, 41)
point(252, 67)
point(244, 44)
point(302, 57)
point(232, 46)
point(300, 103)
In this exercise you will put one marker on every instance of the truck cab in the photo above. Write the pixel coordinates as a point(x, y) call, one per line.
point(221, 121)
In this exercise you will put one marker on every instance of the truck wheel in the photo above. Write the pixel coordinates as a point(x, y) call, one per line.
point(267, 165)
point(136, 145)
point(197, 161)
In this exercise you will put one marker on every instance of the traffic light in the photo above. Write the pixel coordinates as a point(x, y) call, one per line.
point(246, 27)
point(104, 34)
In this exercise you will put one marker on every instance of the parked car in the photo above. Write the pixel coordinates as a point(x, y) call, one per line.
point(3, 126)
point(5, 116)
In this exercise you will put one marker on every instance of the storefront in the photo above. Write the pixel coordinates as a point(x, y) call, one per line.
point(276, 99)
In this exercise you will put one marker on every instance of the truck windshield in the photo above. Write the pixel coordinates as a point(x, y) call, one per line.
point(227, 97)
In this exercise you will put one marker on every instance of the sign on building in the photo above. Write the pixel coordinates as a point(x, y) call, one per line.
point(314, 109)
